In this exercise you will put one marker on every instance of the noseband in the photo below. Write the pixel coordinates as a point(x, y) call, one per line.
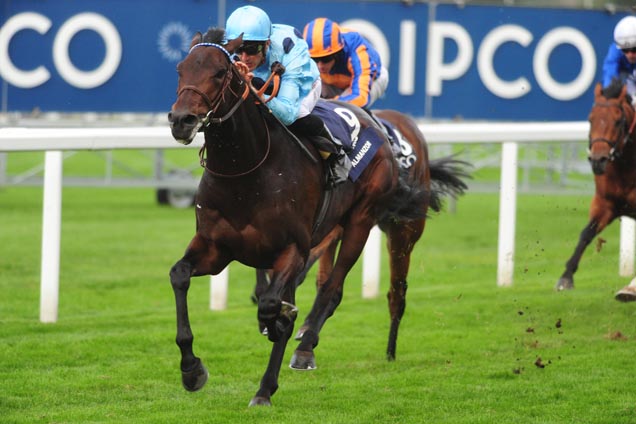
point(625, 133)
point(214, 104)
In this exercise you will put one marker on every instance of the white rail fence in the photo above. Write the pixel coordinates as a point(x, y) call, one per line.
point(56, 140)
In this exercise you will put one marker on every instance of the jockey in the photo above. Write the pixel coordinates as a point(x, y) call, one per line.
point(267, 46)
point(347, 61)
point(620, 61)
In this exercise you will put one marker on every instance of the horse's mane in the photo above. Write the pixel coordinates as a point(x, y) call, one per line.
point(214, 35)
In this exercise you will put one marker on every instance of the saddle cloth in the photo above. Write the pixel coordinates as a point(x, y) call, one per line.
point(359, 145)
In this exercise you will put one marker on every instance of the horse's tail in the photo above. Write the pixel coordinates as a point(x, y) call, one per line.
point(408, 201)
point(447, 176)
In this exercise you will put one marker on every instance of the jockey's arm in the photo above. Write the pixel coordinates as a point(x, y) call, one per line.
point(611, 64)
point(287, 103)
point(360, 68)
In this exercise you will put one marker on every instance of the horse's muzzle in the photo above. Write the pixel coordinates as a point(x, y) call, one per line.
point(599, 164)
point(184, 126)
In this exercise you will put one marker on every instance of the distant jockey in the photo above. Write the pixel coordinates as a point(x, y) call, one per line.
point(620, 61)
point(346, 60)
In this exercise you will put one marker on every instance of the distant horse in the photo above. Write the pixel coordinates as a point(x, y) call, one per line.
point(262, 201)
point(612, 154)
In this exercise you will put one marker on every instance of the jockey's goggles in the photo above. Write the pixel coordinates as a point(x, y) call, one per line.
point(630, 50)
point(250, 49)
point(324, 59)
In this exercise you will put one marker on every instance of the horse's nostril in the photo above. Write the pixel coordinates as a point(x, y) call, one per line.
point(190, 120)
point(169, 116)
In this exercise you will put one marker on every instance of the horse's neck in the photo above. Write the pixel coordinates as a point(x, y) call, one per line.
point(625, 165)
point(629, 151)
point(238, 144)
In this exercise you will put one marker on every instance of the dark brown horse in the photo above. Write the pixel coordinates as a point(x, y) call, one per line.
point(262, 201)
point(612, 154)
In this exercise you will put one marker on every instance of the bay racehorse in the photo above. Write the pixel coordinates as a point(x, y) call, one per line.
point(612, 155)
point(262, 200)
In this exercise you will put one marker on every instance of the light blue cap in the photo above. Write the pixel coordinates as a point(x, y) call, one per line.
point(251, 21)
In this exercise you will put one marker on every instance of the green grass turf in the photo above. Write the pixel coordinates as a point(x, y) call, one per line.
point(466, 352)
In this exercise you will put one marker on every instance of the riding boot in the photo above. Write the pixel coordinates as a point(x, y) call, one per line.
point(338, 163)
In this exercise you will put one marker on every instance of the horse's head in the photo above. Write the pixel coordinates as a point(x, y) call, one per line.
point(204, 76)
point(612, 122)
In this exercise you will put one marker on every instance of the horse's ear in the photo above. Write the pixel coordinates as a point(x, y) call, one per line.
point(232, 45)
point(196, 39)
point(623, 92)
point(597, 89)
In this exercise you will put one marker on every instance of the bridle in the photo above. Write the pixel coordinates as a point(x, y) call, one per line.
point(624, 135)
point(214, 104)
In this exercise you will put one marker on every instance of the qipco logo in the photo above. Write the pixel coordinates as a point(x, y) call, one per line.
point(24, 78)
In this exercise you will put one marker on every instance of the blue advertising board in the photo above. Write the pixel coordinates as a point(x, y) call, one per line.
point(445, 61)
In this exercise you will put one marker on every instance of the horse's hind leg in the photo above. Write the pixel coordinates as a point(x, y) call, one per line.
point(277, 312)
point(326, 253)
point(401, 239)
point(330, 294)
point(193, 373)
point(269, 381)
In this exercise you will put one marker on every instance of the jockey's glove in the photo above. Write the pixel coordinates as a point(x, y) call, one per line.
point(278, 68)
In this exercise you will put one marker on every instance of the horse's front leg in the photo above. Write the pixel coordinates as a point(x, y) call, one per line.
point(597, 223)
point(277, 312)
point(198, 260)
point(194, 375)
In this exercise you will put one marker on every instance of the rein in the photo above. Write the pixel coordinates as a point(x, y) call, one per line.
point(626, 134)
point(203, 160)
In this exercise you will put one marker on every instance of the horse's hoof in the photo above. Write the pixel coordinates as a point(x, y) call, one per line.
point(564, 284)
point(260, 401)
point(196, 378)
point(304, 361)
point(626, 294)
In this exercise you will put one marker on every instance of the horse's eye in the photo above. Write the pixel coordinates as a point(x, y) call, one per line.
point(220, 73)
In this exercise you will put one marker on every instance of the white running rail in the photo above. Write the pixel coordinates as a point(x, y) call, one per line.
point(55, 140)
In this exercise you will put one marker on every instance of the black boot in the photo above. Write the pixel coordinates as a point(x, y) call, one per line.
point(338, 167)
point(314, 129)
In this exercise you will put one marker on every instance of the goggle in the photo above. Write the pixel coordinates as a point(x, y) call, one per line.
point(250, 49)
point(630, 50)
point(324, 59)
